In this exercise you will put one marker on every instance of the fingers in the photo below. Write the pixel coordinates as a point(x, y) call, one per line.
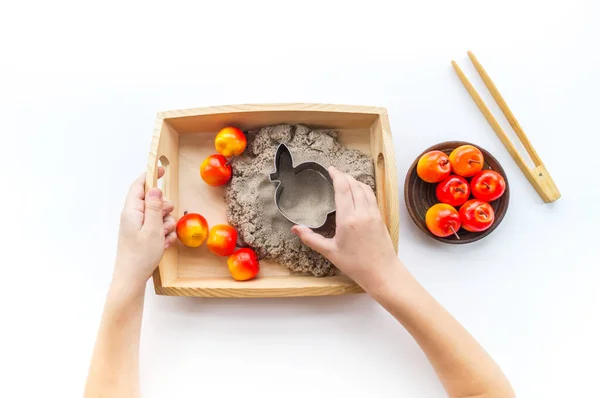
point(168, 207)
point(169, 224)
point(370, 195)
point(136, 191)
point(313, 240)
point(344, 203)
point(170, 239)
point(153, 209)
point(358, 193)
point(350, 194)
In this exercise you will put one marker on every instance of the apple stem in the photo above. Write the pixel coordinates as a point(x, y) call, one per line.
point(185, 212)
point(487, 185)
point(474, 161)
point(482, 213)
point(230, 160)
point(454, 231)
point(444, 162)
point(460, 190)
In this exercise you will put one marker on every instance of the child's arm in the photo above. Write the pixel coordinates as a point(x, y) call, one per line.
point(462, 365)
point(146, 229)
point(363, 250)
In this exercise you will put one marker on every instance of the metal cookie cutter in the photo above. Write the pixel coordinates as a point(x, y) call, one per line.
point(327, 228)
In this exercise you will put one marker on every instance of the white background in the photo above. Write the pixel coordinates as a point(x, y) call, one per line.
point(80, 84)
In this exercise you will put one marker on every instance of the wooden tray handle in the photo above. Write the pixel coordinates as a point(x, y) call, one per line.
point(164, 152)
point(153, 156)
point(152, 171)
point(387, 182)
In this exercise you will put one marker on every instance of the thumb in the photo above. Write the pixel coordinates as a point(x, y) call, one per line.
point(153, 217)
point(313, 240)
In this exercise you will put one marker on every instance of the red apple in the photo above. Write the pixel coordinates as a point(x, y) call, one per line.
point(454, 190)
point(442, 220)
point(433, 166)
point(222, 239)
point(476, 215)
point(466, 160)
point(243, 264)
point(230, 141)
point(488, 185)
point(192, 229)
point(215, 170)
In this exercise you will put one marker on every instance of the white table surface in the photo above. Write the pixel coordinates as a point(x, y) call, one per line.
point(79, 89)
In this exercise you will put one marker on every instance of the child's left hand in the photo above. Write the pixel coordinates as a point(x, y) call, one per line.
point(147, 229)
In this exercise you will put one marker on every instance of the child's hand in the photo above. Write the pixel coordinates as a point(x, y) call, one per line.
point(362, 247)
point(147, 229)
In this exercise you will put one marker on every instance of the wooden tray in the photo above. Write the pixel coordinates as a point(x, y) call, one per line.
point(183, 138)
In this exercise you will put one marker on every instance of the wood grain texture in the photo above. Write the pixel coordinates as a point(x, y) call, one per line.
point(292, 286)
point(247, 117)
point(382, 150)
point(197, 272)
point(541, 180)
point(505, 109)
point(419, 195)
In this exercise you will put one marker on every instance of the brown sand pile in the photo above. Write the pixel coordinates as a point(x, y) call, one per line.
point(250, 195)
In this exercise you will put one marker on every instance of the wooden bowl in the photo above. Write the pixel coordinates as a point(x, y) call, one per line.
point(420, 195)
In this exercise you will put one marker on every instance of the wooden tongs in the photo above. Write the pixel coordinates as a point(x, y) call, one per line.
point(537, 176)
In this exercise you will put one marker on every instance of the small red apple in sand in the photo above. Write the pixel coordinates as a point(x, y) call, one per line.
point(442, 220)
point(466, 160)
point(488, 185)
point(192, 229)
point(454, 191)
point(243, 264)
point(230, 141)
point(222, 239)
point(433, 166)
point(215, 170)
point(476, 215)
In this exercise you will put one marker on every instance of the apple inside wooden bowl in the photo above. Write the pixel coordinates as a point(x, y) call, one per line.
point(420, 196)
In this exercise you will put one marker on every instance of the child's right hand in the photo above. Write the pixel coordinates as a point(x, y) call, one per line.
point(362, 247)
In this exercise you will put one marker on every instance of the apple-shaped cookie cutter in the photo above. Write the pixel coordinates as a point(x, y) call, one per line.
point(282, 150)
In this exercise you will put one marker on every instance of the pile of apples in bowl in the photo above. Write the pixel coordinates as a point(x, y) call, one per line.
point(456, 192)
